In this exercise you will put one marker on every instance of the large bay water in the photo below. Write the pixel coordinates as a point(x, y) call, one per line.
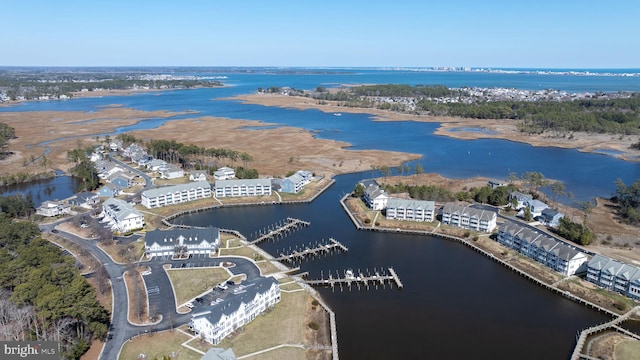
point(456, 304)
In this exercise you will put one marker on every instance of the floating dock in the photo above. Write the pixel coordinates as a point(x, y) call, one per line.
point(364, 279)
point(319, 249)
point(279, 230)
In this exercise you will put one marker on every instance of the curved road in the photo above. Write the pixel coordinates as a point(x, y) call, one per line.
point(160, 292)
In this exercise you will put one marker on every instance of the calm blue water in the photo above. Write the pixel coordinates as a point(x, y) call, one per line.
point(585, 175)
point(57, 188)
point(456, 304)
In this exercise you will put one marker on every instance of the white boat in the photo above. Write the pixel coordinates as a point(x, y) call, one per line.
point(337, 114)
point(349, 274)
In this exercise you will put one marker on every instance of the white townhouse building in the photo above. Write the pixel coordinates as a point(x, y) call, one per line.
point(53, 208)
point(182, 241)
point(242, 187)
point(615, 276)
point(409, 209)
point(121, 215)
point(375, 198)
point(465, 217)
point(241, 305)
point(224, 173)
point(295, 182)
point(175, 194)
point(543, 248)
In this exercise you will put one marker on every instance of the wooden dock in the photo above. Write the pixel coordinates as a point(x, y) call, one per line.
point(312, 251)
point(279, 230)
point(365, 279)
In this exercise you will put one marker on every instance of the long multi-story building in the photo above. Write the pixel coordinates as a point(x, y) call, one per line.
point(239, 307)
point(543, 248)
point(242, 187)
point(469, 218)
point(411, 210)
point(175, 194)
point(614, 275)
point(182, 241)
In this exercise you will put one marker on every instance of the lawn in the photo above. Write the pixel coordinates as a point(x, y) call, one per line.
point(284, 324)
point(189, 283)
point(158, 345)
point(628, 350)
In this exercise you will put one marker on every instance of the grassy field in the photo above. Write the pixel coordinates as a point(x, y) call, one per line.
point(628, 350)
point(189, 283)
point(158, 345)
point(284, 324)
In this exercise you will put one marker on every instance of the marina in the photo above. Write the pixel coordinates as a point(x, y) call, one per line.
point(319, 249)
point(279, 230)
point(365, 279)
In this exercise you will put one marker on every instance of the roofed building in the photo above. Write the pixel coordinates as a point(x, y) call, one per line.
point(175, 194)
point(182, 241)
point(242, 187)
point(466, 217)
point(239, 307)
point(410, 209)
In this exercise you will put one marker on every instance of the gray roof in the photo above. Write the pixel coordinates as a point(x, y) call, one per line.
point(598, 262)
point(520, 196)
point(122, 209)
point(469, 211)
point(234, 299)
point(411, 204)
point(191, 236)
point(175, 188)
point(369, 182)
point(219, 354)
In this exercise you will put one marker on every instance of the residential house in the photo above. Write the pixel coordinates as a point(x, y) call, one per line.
point(411, 210)
point(155, 164)
point(84, 199)
point(53, 208)
point(521, 198)
point(144, 160)
point(467, 217)
point(294, 183)
point(241, 306)
point(551, 217)
point(535, 207)
point(109, 191)
point(242, 187)
point(495, 183)
point(175, 194)
point(171, 171)
point(182, 241)
point(198, 175)
point(121, 215)
point(121, 179)
point(224, 173)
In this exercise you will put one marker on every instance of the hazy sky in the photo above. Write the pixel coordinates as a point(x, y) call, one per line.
point(475, 33)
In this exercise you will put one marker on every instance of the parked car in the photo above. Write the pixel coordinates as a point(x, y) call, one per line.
point(189, 305)
point(230, 282)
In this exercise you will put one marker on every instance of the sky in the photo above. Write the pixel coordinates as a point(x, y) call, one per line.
point(328, 33)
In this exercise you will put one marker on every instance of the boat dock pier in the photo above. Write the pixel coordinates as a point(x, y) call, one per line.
point(375, 278)
point(301, 254)
point(279, 229)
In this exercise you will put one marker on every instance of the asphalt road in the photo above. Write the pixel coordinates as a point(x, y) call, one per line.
point(158, 287)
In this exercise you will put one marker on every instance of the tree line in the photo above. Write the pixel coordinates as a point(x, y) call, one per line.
point(628, 199)
point(43, 297)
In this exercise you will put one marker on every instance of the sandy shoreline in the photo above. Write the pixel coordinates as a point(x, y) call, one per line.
point(470, 129)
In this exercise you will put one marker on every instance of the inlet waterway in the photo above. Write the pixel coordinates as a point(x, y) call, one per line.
point(455, 304)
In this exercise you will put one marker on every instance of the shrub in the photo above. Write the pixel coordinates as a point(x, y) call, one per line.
point(313, 325)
